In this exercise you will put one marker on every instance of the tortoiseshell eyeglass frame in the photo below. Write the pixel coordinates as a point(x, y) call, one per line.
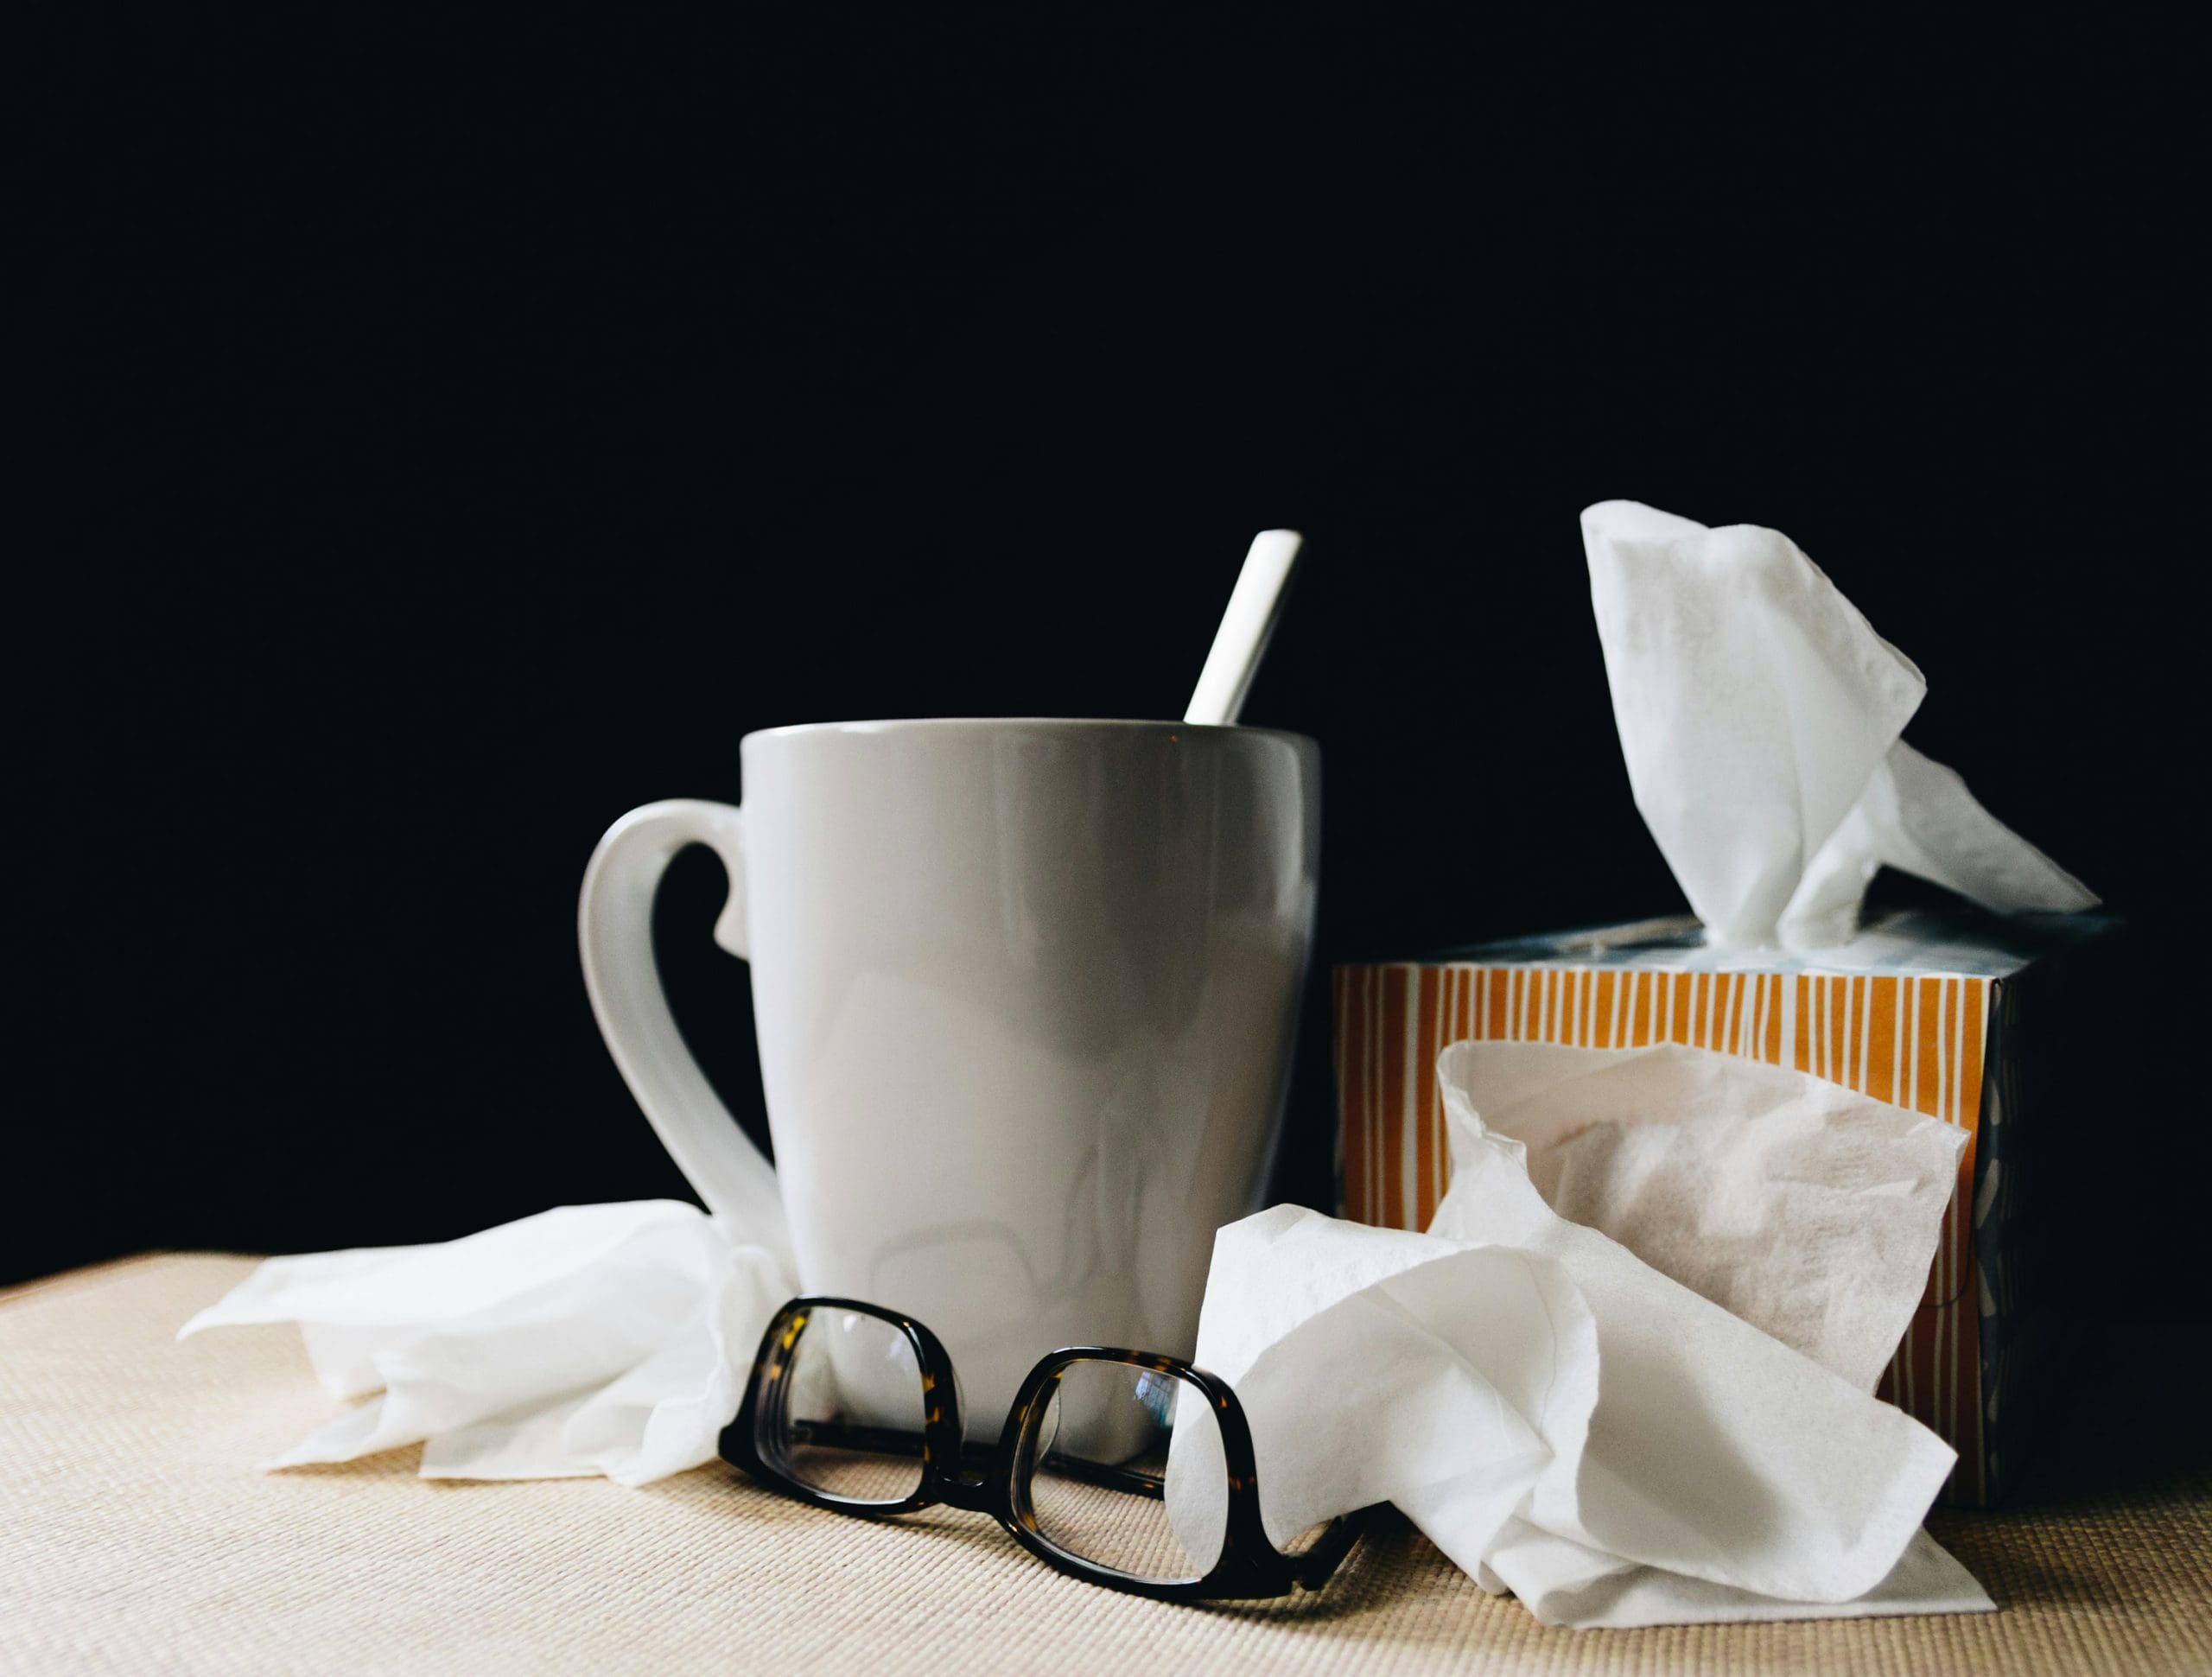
point(996, 1479)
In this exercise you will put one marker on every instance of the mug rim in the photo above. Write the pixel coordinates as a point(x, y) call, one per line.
point(900, 724)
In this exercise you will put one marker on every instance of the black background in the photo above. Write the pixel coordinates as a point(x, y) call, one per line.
point(444, 435)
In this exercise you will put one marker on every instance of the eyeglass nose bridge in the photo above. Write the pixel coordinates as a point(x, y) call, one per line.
point(962, 1473)
point(977, 1494)
point(974, 1481)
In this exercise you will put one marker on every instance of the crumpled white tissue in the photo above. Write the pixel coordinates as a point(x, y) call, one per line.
point(592, 1339)
point(1810, 1211)
point(1564, 1420)
point(1760, 717)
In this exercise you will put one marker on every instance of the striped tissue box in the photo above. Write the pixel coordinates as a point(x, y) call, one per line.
point(1933, 1012)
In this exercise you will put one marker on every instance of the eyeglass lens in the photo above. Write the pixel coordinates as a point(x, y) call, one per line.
point(1125, 1471)
point(850, 1418)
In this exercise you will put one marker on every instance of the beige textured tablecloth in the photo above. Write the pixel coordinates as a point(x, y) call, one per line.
point(135, 1534)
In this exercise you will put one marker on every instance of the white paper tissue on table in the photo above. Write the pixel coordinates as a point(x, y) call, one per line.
point(596, 1339)
point(1760, 717)
point(1567, 1422)
point(1811, 1212)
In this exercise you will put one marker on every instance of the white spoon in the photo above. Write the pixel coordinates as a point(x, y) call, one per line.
point(1241, 640)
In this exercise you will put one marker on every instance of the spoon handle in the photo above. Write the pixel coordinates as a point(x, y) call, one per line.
point(1241, 640)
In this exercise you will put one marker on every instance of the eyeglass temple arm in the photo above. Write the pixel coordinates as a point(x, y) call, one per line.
point(1314, 1567)
point(896, 1441)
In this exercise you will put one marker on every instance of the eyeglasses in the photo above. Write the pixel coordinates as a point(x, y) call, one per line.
point(1128, 1469)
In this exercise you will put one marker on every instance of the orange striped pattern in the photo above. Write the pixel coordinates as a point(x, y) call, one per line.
point(1916, 1042)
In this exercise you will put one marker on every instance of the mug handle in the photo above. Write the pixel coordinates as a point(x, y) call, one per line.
point(614, 934)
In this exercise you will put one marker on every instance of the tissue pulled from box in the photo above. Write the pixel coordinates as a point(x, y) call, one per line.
point(594, 1339)
point(1760, 717)
point(1564, 1419)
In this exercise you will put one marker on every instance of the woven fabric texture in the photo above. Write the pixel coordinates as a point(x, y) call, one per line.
point(136, 1534)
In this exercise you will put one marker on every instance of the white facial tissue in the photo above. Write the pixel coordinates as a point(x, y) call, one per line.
point(1569, 1423)
point(1810, 1211)
point(1760, 717)
point(592, 1339)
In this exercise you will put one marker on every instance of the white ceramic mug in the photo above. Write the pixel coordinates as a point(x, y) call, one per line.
point(1025, 992)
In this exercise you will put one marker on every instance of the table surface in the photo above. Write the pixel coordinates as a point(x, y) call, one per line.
point(135, 1534)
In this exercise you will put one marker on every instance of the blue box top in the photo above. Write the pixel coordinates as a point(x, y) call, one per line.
point(1962, 942)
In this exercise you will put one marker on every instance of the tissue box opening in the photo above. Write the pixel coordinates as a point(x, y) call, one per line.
point(1957, 1015)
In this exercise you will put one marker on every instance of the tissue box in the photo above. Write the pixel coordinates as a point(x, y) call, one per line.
point(1958, 1015)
